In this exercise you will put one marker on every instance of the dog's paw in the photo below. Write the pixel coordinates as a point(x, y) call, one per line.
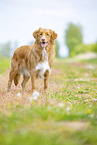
point(35, 96)
point(19, 95)
point(46, 91)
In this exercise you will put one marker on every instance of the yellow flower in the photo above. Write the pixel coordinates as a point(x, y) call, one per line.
point(89, 111)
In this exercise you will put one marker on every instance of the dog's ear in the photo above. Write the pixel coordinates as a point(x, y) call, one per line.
point(53, 36)
point(35, 34)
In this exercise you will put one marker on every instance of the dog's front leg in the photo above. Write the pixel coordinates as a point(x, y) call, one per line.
point(33, 81)
point(46, 79)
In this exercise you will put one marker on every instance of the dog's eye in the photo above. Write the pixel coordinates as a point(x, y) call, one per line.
point(47, 34)
point(40, 33)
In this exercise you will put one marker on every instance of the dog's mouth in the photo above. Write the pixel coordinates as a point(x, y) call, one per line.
point(44, 44)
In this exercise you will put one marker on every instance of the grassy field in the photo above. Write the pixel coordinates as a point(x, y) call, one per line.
point(4, 64)
point(65, 115)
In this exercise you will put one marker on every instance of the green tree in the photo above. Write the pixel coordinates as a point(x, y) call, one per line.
point(56, 49)
point(73, 36)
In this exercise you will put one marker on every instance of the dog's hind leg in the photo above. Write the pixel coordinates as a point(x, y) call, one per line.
point(25, 79)
point(12, 74)
point(16, 79)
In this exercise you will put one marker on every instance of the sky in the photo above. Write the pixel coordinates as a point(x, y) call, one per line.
point(20, 18)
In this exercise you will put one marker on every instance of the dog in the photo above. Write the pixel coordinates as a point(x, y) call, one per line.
point(34, 61)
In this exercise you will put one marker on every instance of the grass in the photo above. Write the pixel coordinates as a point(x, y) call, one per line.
point(4, 64)
point(92, 61)
point(65, 115)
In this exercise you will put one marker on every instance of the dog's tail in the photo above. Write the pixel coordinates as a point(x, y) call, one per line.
point(16, 79)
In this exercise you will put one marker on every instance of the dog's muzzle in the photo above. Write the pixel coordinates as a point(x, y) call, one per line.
point(44, 44)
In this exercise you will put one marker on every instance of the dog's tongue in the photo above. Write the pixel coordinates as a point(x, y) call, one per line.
point(43, 44)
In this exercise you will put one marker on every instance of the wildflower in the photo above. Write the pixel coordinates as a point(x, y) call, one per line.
point(61, 105)
point(91, 115)
point(90, 67)
point(94, 99)
point(86, 100)
point(86, 74)
point(68, 108)
point(90, 105)
point(49, 107)
point(89, 111)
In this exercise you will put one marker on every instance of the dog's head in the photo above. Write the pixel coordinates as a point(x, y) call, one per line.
point(44, 36)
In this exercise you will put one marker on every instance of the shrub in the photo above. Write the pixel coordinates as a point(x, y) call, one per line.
point(83, 48)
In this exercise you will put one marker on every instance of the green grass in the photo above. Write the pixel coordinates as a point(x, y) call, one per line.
point(72, 120)
point(4, 64)
point(92, 61)
point(41, 125)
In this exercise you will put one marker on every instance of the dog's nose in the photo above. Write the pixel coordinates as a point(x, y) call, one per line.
point(43, 39)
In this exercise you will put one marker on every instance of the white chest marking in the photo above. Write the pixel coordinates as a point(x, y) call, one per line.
point(42, 67)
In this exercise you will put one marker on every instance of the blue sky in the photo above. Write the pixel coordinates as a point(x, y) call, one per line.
point(19, 19)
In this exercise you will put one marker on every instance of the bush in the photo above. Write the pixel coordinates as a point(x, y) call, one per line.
point(83, 48)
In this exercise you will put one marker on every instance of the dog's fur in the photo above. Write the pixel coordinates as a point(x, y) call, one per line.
point(34, 61)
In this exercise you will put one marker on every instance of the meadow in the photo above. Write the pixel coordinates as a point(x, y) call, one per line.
point(65, 115)
point(4, 64)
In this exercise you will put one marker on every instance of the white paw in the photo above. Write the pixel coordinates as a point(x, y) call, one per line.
point(35, 96)
point(19, 94)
